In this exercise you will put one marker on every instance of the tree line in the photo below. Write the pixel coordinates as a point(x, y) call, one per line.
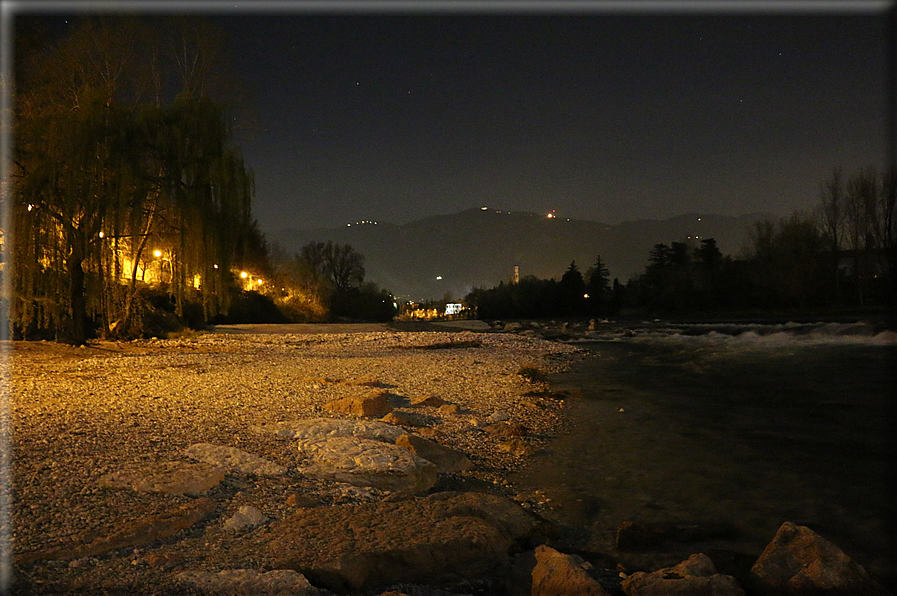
point(325, 281)
point(843, 254)
point(124, 167)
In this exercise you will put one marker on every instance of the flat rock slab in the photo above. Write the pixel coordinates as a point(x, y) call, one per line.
point(234, 460)
point(247, 582)
point(135, 533)
point(446, 537)
point(364, 462)
point(319, 428)
point(173, 478)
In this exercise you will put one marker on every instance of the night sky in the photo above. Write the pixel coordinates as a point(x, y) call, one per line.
point(596, 113)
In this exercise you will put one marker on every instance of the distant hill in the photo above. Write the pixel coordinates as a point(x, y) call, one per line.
point(479, 248)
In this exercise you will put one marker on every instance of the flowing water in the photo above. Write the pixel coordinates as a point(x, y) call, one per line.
point(730, 428)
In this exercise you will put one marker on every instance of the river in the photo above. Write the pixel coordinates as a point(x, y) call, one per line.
point(732, 429)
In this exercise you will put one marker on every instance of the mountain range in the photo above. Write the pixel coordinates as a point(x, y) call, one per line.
point(450, 254)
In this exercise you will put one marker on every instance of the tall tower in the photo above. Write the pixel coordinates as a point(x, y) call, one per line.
point(516, 274)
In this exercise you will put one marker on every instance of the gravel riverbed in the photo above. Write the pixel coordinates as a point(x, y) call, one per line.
point(81, 413)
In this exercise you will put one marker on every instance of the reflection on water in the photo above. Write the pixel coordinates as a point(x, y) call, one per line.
point(728, 426)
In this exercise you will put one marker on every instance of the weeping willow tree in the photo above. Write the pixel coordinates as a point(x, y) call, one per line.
point(107, 173)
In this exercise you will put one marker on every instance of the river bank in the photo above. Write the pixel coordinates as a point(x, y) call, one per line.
point(729, 429)
point(98, 431)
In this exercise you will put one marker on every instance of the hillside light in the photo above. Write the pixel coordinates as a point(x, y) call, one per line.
point(157, 253)
point(102, 234)
point(244, 275)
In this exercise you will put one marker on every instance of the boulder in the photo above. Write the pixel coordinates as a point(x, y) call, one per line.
point(246, 518)
point(363, 462)
point(234, 460)
point(374, 404)
point(318, 428)
point(447, 460)
point(443, 538)
point(135, 533)
point(173, 478)
point(694, 577)
point(799, 561)
point(247, 582)
point(558, 574)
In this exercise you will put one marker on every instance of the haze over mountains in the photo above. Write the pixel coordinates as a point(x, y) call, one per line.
point(479, 247)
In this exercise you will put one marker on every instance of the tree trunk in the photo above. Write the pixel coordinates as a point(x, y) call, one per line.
point(78, 336)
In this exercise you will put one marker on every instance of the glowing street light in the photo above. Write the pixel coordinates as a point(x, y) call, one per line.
point(157, 253)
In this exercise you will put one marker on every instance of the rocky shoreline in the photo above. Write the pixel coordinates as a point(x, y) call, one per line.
point(352, 463)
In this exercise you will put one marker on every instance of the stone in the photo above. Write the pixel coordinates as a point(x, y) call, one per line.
point(318, 428)
point(799, 561)
point(450, 409)
point(498, 416)
point(234, 460)
point(506, 429)
point(442, 538)
point(432, 401)
point(405, 419)
point(164, 562)
point(374, 404)
point(447, 460)
point(246, 518)
point(517, 447)
point(558, 574)
point(248, 582)
point(173, 478)
point(363, 462)
point(135, 533)
point(695, 576)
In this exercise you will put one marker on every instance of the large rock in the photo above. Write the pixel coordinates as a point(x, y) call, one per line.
point(318, 428)
point(246, 518)
point(135, 533)
point(374, 404)
point(447, 460)
point(234, 460)
point(363, 462)
point(558, 574)
point(799, 561)
point(443, 538)
point(694, 577)
point(247, 582)
point(173, 478)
